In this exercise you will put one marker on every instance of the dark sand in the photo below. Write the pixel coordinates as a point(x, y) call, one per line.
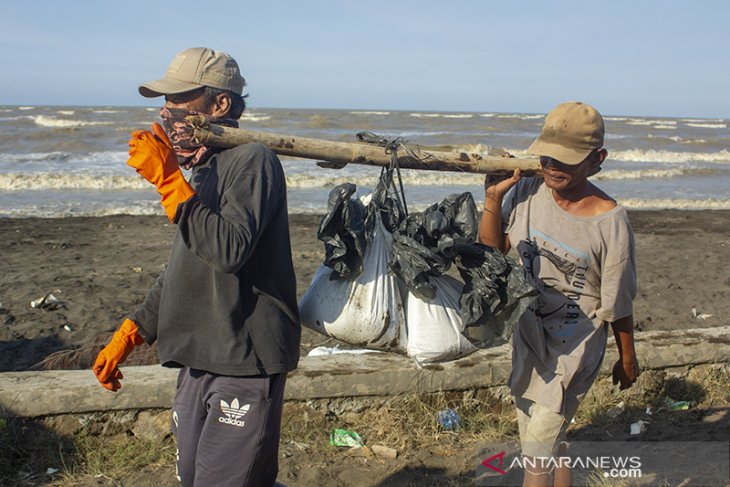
point(102, 267)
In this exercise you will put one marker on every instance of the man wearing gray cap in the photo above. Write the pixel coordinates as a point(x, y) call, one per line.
point(577, 244)
point(224, 310)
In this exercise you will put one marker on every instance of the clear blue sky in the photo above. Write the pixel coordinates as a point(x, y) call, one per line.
point(663, 58)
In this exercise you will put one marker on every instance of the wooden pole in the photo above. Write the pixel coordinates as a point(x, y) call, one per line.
point(338, 154)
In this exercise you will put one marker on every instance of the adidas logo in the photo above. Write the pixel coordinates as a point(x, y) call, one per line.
point(233, 412)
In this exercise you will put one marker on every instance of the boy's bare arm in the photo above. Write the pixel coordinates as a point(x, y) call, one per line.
point(626, 368)
point(490, 228)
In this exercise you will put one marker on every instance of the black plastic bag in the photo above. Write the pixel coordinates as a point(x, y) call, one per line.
point(497, 291)
point(342, 230)
point(423, 244)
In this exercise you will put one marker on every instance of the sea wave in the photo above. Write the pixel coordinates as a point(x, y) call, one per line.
point(426, 115)
point(675, 204)
point(665, 127)
point(46, 181)
point(701, 120)
point(641, 121)
point(103, 157)
point(106, 111)
point(410, 177)
point(639, 155)
point(66, 112)
point(26, 108)
point(708, 125)
point(47, 121)
point(677, 138)
point(619, 174)
point(520, 116)
point(143, 208)
point(250, 117)
point(369, 113)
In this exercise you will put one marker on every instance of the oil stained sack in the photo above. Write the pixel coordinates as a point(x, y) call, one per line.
point(365, 311)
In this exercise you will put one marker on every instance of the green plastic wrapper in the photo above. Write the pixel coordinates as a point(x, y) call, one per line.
point(342, 437)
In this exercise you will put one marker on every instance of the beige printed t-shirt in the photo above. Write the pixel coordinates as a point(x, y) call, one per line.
point(585, 268)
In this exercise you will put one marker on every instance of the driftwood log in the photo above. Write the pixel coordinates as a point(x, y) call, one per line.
point(338, 154)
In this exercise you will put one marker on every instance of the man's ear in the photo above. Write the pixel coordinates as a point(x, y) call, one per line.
point(600, 156)
point(221, 105)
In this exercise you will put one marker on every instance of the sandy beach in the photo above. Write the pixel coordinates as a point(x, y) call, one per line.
point(100, 268)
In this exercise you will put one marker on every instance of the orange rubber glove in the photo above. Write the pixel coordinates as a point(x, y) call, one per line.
point(122, 343)
point(151, 155)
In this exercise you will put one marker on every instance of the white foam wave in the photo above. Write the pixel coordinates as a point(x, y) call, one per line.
point(35, 156)
point(638, 155)
point(616, 119)
point(369, 113)
point(410, 177)
point(107, 111)
point(26, 108)
point(618, 174)
point(675, 204)
point(459, 115)
point(65, 112)
point(71, 210)
point(152, 109)
point(487, 115)
point(665, 127)
point(520, 116)
point(46, 121)
point(681, 140)
point(249, 117)
point(5, 110)
point(708, 125)
point(425, 115)
point(45, 181)
point(701, 120)
point(105, 157)
point(641, 121)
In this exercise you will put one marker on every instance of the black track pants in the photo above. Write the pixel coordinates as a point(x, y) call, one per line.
point(227, 428)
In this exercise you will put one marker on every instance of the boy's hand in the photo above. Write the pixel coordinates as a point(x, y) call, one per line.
point(626, 371)
point(496, 186)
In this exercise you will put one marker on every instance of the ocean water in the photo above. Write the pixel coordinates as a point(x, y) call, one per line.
point(71, 161)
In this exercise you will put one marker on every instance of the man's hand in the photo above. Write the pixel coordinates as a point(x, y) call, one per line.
point(152, 156)
point(626, 371)
point(121, 345)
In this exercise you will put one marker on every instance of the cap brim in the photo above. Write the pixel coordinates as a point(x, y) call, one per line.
point(166, 86)
point(566, 155)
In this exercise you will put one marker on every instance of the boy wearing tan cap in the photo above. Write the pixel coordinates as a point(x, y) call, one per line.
point(224, 311)
point(578, 245)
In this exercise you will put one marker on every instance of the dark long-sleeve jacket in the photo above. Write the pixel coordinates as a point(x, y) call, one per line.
point(226, 303)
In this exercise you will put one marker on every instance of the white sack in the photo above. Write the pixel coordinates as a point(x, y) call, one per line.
point(435, 325)
point(366, 311)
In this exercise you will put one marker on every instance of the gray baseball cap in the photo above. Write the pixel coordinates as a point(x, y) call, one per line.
point(194, 68)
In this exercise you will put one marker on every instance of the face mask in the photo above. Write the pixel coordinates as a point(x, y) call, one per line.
point(180, 133)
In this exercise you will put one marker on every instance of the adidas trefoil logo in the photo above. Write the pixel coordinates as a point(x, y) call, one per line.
point(233, 412)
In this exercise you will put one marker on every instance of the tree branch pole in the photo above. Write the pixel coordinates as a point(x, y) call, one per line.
point(338, 154)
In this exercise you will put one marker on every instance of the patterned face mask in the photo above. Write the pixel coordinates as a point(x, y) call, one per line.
point(180, 133)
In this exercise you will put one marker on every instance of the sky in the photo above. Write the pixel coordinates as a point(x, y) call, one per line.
point(638, 57)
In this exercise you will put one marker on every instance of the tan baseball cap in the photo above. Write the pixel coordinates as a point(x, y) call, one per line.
point(570, 132)
point(194, 68)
